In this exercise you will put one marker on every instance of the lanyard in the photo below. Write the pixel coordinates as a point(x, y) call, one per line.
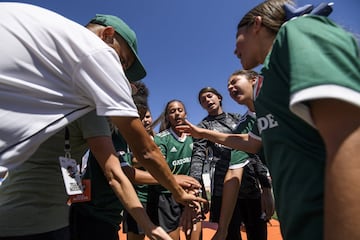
point(67, 147)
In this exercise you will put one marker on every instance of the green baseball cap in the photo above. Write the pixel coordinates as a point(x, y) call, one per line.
point(136, 71)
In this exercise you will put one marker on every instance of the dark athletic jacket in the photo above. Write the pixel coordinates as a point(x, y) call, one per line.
point(218, 156)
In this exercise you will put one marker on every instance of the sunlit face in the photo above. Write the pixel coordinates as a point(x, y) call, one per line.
point(176, 114)
point(241, 89)
point(210, 102)
point(245, 48)
point(147, 121)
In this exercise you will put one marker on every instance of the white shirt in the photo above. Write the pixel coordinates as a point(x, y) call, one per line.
point(52, 71)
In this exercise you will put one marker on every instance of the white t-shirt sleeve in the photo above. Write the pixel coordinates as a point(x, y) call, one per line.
point(100, 76)
point(298, 99)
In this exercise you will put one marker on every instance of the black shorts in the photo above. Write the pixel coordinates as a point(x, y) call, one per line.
point(164, 211)
point(130, 225)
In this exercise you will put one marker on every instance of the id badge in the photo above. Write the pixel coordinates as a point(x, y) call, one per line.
point(85, 196)
point(207, 184)
point(71, 176)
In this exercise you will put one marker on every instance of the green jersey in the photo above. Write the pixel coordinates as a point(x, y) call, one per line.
point(141, 189)
point(311, 58)
point(239, 158)
point(177, 152)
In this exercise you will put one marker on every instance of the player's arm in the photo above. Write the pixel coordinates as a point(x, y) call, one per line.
point(242, 142)
point(104, 152)
point(150, 157)
point(339, 125)
point(138, 176)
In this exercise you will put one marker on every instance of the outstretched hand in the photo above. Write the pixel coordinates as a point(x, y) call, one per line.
point(189, 219)
point(189, 199)
point(190, 129)
point(157, 233)
point(267, 203)
point(187, 182)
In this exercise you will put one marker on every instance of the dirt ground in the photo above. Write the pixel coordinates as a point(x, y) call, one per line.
point(210, 228)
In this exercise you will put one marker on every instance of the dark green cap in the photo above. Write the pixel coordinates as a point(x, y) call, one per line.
point(136, 71)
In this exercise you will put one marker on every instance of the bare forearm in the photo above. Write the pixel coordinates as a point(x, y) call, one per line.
point(235, 141)
point(138, 176)
point(127, 195)
point(155, 163)
point(147, 153)
point(104, 152)
point(341, 135)
point(342, 191)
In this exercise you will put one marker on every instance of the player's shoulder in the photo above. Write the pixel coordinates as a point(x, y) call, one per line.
point(234, 115)
point(163, 134)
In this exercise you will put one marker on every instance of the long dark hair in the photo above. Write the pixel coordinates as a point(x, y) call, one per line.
point(272, 13)
point(163, 118)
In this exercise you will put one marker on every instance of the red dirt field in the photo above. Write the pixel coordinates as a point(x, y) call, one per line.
point(210, 228)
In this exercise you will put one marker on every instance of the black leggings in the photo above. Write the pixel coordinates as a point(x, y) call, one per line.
point(256, 227)
point(247, 211)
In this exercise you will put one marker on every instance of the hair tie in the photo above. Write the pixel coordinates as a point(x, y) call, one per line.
point(323, 9)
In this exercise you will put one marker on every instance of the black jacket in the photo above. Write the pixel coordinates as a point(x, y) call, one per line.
point(218, 157)
point(217, 154)
point(255, 174)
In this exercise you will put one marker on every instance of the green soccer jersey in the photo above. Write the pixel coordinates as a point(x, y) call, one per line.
point(141, 189)
point(239, 158)
point(177, 152)
point(311, 58)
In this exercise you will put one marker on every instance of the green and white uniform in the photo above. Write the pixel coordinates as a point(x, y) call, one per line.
point(311, 58)
point(239, 158)
point(129, 223)
point(161, 207)
point(177, 152)
point(141, 189)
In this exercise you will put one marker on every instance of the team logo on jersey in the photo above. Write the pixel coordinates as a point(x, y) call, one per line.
point(266, 122)
point(181, 161)
point(191, 146)
point(258, 86)
point(173, 149)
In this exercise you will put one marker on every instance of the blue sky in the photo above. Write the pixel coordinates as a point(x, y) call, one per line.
point(186, 45)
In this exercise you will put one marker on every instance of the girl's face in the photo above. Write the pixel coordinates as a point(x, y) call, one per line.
point(147, 121)
point(246, 47)
point(210, 102)
point(176, 114)
point(241, 89)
